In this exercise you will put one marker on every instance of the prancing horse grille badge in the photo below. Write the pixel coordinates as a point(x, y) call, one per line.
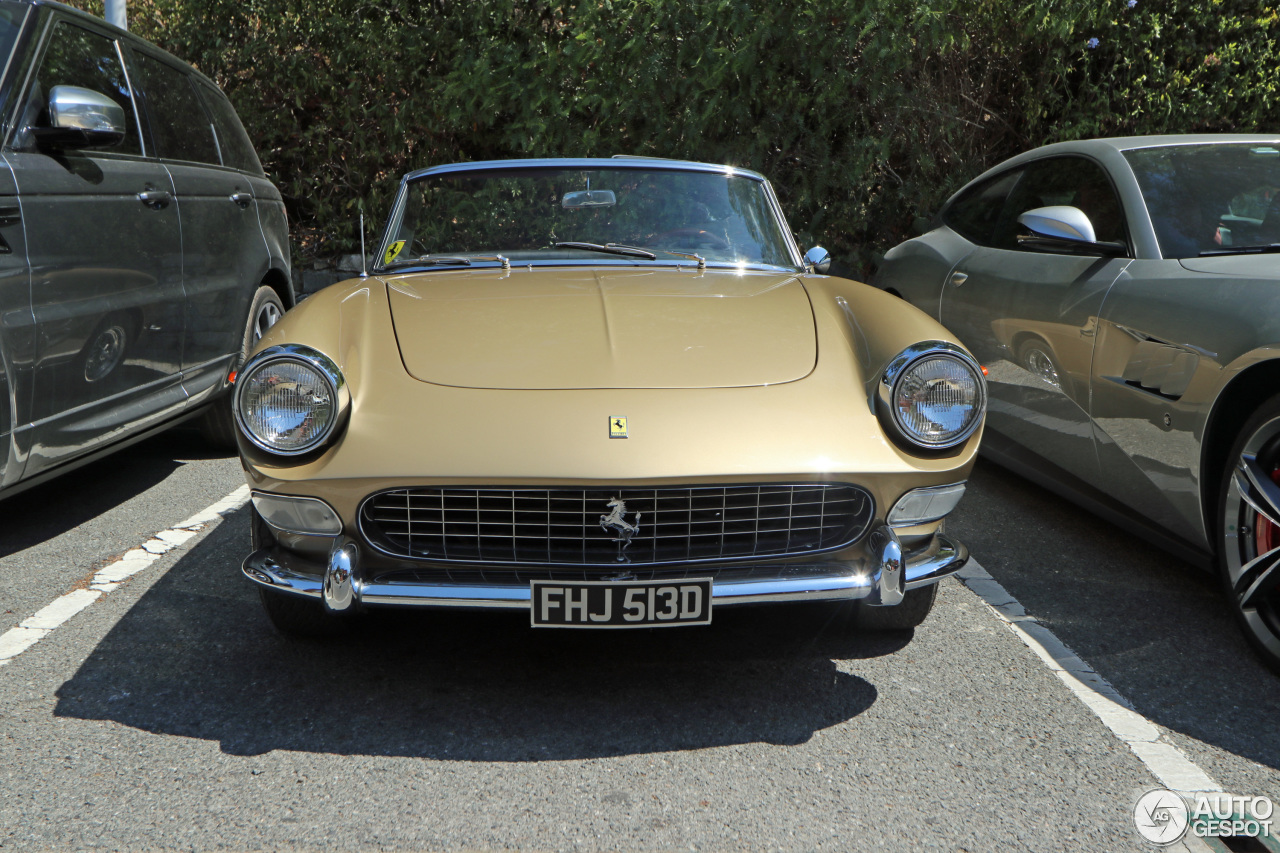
point(617, 426)
point(616, 522)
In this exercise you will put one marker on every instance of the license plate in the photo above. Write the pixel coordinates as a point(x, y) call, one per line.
point(620, 604)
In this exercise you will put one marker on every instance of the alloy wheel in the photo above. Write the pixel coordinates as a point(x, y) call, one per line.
point(1251, 537)
point(268, 315)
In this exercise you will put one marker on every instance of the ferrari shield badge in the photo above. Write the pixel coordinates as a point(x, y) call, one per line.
point(617, 427)
point(393, 251)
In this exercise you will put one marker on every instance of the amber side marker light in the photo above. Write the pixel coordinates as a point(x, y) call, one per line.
point(983, 366)
point(231, 377)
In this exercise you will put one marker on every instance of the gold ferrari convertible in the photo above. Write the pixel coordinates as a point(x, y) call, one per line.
point(610, 393)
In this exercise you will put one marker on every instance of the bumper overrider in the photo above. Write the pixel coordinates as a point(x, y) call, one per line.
point(879, 578)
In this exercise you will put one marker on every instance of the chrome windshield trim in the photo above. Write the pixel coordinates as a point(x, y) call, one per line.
point(610, 163)
point(634, 263)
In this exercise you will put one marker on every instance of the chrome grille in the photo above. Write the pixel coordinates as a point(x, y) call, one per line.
point(564, 526)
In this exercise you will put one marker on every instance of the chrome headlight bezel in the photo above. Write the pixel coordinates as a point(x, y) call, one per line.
point(312, 359)
point(900, 367)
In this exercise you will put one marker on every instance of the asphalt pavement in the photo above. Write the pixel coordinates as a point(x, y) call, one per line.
point(169, 714)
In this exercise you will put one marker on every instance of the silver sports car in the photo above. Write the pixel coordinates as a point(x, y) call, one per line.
point(1125, 296)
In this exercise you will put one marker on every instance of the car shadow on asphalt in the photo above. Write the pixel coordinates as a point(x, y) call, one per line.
point(1158, 628)
point(196, 657)
point(115, 479)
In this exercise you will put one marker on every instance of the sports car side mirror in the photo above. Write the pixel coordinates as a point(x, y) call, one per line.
point(1063, 228)
point(819, 259)
point(81, 118)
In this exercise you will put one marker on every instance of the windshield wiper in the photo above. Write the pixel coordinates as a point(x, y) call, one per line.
point(610, 249)
point(1266, 249)
point(427, 261)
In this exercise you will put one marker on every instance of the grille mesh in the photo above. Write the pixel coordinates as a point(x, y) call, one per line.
point(566, 526)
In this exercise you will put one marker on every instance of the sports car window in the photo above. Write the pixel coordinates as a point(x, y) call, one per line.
point(181, 127)
point(1210, 198)
point(525, 213)
point(973, 215)
point(78, 57)
point(1072, 181)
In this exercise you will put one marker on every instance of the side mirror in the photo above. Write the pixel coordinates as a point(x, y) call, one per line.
point(1063, 228)
point(81, 118)
point(819, 259)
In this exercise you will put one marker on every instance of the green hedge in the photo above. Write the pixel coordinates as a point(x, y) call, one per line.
point(865, 115)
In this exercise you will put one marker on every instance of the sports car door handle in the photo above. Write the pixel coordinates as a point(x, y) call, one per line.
point(958, 278)
point(242, 198)
point(155, 199)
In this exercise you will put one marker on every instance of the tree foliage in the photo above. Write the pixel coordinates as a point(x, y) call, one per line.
point(865, 115)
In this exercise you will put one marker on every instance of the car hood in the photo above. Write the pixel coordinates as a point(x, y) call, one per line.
point(1252, 266)
point(600, 328)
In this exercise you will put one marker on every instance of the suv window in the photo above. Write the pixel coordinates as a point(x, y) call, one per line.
point(11, 18)
point(78, 57)
point(1072, 181)
point(973, 215)
point(237, 150)
point(179, 123)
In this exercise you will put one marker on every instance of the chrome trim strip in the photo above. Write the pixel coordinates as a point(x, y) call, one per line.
point(294, 574)
point(940, 558)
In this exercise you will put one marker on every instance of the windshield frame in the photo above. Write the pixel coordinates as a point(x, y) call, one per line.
point(610, 163)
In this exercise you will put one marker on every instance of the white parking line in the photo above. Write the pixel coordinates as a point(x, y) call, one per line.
point(35, 628)
point(1165, 761)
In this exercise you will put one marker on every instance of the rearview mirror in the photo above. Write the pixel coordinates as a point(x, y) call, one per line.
point(81, 118)
point(588, 198)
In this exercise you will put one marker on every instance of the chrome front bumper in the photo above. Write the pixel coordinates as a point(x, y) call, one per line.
point(880, 579)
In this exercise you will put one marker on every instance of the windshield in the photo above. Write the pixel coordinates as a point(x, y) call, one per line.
point(609, 213)
point(1213, 198)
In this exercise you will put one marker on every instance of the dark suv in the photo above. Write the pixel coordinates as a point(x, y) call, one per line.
point(142, 249)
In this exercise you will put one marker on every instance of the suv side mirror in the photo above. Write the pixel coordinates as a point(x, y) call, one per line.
point(1063, 228)
point(818, 258)
point(81, 118)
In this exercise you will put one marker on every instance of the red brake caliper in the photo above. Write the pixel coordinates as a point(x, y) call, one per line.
point(1265, 534)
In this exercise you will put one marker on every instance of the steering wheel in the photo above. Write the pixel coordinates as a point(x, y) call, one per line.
point(689, 238)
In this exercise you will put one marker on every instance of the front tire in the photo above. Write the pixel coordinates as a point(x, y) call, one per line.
point(1249, 532)
point(218, 425)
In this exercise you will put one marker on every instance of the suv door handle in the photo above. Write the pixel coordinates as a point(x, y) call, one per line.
point(958, 278)
point(155, 199)
point(242, 198)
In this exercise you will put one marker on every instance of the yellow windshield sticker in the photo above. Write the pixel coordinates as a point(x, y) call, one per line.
point(393, 251)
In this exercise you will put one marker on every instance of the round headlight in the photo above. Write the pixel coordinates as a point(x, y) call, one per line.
point(936, 395)
point(287, 400)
